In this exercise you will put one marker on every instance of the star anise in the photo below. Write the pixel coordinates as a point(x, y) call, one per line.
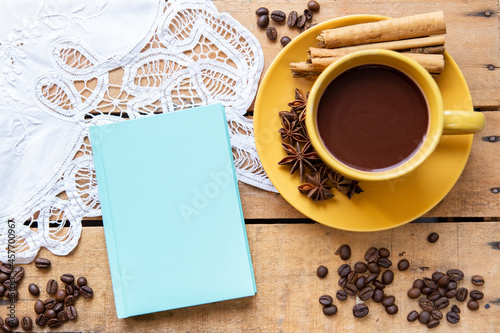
point(345, 185)
point(291, 131)
point(300, 158)
point(316, 188)
point(300, 101)
point(291, 116)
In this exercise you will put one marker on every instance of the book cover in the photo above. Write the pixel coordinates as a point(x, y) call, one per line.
point(172, 216)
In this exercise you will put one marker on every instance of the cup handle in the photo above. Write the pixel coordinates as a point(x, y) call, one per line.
point(462, 122)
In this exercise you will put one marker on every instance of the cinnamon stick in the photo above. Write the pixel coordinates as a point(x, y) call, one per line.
point(386, 30)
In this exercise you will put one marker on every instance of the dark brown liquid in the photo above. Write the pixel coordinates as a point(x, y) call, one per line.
point(372, 117)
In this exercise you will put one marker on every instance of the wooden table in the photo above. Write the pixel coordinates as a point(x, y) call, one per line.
point(287, 248)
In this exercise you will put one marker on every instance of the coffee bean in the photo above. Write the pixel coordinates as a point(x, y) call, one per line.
point(86, 291)
point(426, 304)
point(33, 289)
point(437, 275)
point(58, 307)
point(67, 278)
point(49, 303)
point(344, 251)
point(330, 310)
point(76, 292)
point(39, 306)
point(412, 316)
point(2, 290)
point(433, 237)
point(71, 312)
point(3, 277)
point(27, 323)
point(350, 289)
point(378, 295)
point(51, 287)
point(352, 277)
point(6, 329)
point(424, 317)
point(455, 309)
point(392, 310)
point(383, 252)
point(308, 14)
point(441, 291)
point(17, 273)
point(452, 317)
point(418, 283)
point(403, 265)
point(278, 16)
point(414, 293)
point(379, 284)
point(344, 270)
point(322, 271)
point(360, 282)
point(427, 291)
point(430, 283)
point(285, 40)
point(271, 33)
point(292, 19)
point(62, 316)
point(476, 295)
point(452, 285)
point(384, 262)
point(42, 263)
point(6, 269)
point(442, 303)
point(60, 295)
point(372, 277)
point(301, 22)
point(53, 323)
point(360, 310)
point(313, 5)
point(82, 281)
point(473, 305)
point(50, 314)
point(341, 295)
point(455, 274)
point(365, 293)
point(69, 289)
point(371, 254)
point(436, 314)
point(388, 301)
point(451, 293)
point(69, 300)
point(342, 281)
point(41, 320)
point(462, 294)
point(477, 280)
point(434, 296)
point(12, 322)
point(7, 284)
point(433, 323)
point(387, 277)
point(360, 267)
point(262, 11)
point(373, 267)
point(325, 300)
point(12, 294)
point(263, 21)
point(443, 281)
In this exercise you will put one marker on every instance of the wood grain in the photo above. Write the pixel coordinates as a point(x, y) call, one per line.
point(285, 258)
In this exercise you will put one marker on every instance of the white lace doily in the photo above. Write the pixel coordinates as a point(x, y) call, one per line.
point(66, 65)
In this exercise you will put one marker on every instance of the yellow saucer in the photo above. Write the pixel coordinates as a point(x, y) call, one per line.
point(382, 205)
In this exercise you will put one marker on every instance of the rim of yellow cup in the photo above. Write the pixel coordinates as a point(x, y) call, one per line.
point(405, 65)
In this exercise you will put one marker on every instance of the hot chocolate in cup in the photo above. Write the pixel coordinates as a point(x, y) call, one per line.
point(377, 114)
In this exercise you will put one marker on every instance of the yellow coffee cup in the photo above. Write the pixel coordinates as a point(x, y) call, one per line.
point(439, 121)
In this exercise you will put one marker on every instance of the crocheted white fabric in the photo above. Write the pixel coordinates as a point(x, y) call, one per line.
point(66, 65)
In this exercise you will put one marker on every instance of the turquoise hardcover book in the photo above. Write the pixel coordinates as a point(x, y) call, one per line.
point(172, 216)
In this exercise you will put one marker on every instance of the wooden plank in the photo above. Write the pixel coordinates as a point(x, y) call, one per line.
point(285, 259)
point(472, 37)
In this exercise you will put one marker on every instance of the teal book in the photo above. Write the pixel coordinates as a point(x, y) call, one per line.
point(173, 223)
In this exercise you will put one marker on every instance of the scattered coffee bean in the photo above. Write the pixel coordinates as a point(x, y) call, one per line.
point(12, 322)
point(86, 291)
point(27, 323)
point(41, 320)
point(69, 289)
point(344, 251)
point(301, 22)
point(308, 14)
point(378, 284)
point(433, 323)
point(3, 277)
point(455, 309)
point(388, 301)
point(455, 274)
point(476, 295)
point(6, 269)
point(322, 271)
point(71, 312)
point(437, 275)
point(433, 237)
point(62, 316)
point(69, 300)
point(39, 306)
point(49, 303)
point(477, 280)
point(412, 316)
point(42, 263)
point(384, 262)
point(372, 277)
point(360, 310)
point(330, 310)
point(7, 284)
point(360, 282)
point(82, 281)
point(262, 11)
point(313, 5)
point(67, 278)
point(352, 277)
point(50, 314)
point(434, 296)
point(12, 294)
point(51, 287)
point(441, 291)
point(360, 267)
point(271, 33)
point(426, 304)
point(341, 295)
point(60, 295)
point(365, 293)
point(436, 314)
point(373, 267)
point(392, 310)
point(383, 252)
point(442, 303)
point(2, 291)
point(76, 292)
point(325, 300)
point(452, 317)
point(292, 19)
point(33, 289)
point(263, 21)
point(342, 281)
point(424, 317)
point(451, 293)
point(53, 323)
point(387, 277)
point(378, 295)
point(17, 273)
point(427, 291)
point(285, 40)
point(414, 293)
point(452, 285)
point(6, 329)
point(350, 289)
point(418, 283)
point(278, 16)
point(403, 265)
point(462, 294)
point(473, 305)
point(344, 270)
point(58, 307)
point(371, 254)
point(430, 283)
